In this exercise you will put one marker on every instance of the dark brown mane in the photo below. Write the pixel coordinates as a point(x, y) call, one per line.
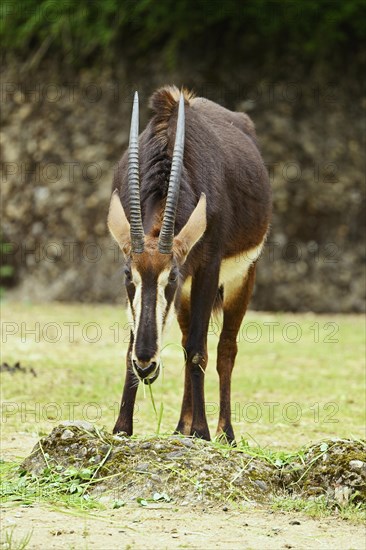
point(159, 140)
point(164, 103)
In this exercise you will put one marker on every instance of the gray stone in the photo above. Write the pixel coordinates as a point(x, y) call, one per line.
point(261, 484)
point(187, 442)
point(156, 478)
point(82, 424)
point(67, 434)
point(143, 467)
point(357, 465)
point(176, 454)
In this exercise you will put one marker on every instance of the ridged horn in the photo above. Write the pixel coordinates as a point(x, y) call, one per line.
point(165, 244)
point(137, 231)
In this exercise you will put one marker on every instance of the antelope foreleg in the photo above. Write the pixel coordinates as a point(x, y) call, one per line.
point(125, 418)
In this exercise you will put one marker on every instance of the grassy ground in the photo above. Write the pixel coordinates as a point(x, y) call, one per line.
point(297, 378)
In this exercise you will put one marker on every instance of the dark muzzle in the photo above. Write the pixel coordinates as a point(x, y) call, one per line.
point(145, 371)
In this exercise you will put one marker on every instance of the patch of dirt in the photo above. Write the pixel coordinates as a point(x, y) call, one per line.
point(188, 470)
point(17, 368)
point(15, 447)
point(186, 527)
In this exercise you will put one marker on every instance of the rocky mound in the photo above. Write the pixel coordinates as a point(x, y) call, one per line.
point(334, 468)
point(187, 470)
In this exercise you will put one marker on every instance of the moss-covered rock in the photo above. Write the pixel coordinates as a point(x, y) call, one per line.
point(190, 470)
point(335, 469)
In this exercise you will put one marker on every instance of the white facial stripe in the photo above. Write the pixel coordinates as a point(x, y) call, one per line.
point(130, 316)
point(136, 304)
point(161, 303)
point(163, 277)
point(169, 316)
point(136, 277)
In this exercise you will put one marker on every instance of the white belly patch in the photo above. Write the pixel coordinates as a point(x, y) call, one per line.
point(232, 272)
point(236, 267)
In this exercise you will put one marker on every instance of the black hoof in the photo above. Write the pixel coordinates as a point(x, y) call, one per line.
point(201, 433)
point(121, 429)
point(226, 436)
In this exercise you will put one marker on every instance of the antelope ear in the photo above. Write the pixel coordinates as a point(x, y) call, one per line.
point(118, 224)
point(192, 231)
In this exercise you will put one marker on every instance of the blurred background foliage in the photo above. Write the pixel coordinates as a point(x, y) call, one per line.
point(69, 69)
point(97, 31)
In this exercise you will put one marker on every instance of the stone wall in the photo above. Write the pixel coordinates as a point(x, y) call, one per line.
point(60, 145)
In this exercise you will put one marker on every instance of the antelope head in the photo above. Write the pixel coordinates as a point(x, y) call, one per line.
point(152, 263)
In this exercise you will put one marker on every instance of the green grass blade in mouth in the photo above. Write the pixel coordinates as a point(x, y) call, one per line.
point(159, 417)
point(152, 398)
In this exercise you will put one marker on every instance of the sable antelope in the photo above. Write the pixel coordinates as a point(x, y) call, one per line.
point(190, 211)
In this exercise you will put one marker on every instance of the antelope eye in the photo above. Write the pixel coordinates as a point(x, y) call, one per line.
point(128, 274)
point(173, 276)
